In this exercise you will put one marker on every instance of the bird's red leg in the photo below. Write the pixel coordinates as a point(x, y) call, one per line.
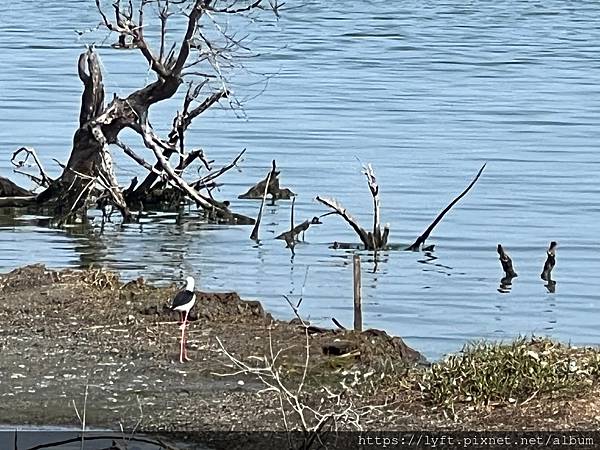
point(182, 343)
point(185, 356)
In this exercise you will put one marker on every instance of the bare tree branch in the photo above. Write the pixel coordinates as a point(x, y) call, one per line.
point(421, 239)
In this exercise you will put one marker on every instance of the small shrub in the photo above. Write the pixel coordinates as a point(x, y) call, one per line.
point(488, 373)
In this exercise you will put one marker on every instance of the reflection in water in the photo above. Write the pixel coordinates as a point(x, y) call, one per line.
point(551, 286)
point(429, 258)
point(506, 284)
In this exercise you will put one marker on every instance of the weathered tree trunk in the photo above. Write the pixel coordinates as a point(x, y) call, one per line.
point(90, 161)
point(89, 169)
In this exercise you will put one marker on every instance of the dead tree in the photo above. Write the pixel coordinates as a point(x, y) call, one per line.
point(377, 239)
point(199, 58)
point(372, 240)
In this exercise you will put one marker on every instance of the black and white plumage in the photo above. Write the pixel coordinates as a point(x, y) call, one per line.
point(185, 299)
point(183, 303)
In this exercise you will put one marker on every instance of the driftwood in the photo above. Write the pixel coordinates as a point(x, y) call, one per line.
point(271, 184)
point(551, 286)
point(198, 60)
point(254, 234)
point(10, 189)
point(291, 236)
point(17, 202)
point(507, 267)
point(550, 262)
point(338, 324)
point(506, 262)
point(42, 179)
point(377, 239)
point(421, 239)
point(372, 240)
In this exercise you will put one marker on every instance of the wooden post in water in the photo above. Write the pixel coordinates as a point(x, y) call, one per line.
point(357, 295)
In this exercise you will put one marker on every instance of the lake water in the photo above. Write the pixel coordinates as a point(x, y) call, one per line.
point(426, 92)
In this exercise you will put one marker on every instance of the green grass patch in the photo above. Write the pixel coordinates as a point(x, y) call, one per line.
point(491, 373)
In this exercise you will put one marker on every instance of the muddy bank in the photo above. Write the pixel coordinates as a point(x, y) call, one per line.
point(63, 333)
point(63, 330)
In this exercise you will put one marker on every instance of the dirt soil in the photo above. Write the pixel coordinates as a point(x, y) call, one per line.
point(63, 333)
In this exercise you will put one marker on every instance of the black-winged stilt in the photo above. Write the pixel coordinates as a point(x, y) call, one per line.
point(183, 303)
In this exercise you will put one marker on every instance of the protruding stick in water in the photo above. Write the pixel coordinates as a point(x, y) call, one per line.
point(506, 262)
point(550, 262)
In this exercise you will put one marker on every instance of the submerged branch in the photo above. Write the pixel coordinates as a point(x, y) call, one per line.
point(343, 212)
point(254, 234)
point(421, 239)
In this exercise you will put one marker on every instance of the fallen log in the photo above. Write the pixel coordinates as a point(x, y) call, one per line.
point(17, 202)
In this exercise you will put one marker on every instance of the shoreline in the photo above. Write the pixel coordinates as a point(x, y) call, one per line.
point(68, 332)
point(85, 328)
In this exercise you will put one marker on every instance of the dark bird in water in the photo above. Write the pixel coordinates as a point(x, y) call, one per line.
point(183, 303)
point(550, 262)
point(506, 262)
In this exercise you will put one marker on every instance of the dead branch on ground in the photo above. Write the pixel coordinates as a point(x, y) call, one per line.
point(312, 421)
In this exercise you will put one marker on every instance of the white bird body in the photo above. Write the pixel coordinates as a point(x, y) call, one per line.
point(183, 303)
